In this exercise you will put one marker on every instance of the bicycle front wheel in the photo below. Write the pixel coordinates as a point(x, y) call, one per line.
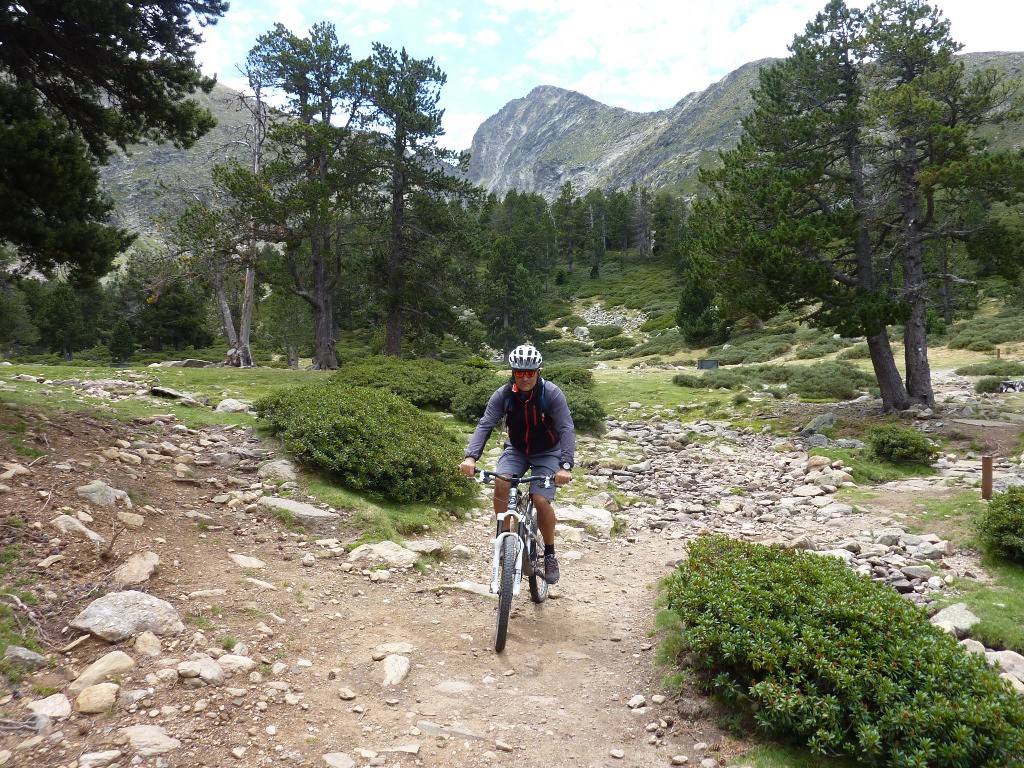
point(534, 550)
point(506, 579)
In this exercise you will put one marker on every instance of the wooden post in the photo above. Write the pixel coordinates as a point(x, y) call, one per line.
point(998, 354)
point(986, 477)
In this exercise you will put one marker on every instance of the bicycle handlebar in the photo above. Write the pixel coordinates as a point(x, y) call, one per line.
point(486, 476)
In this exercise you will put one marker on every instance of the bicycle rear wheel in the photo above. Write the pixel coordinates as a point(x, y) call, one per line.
point(534, 554)
point(505, 581)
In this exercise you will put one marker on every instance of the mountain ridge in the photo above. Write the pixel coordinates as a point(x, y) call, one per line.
point(538, 142)
point(534, 143)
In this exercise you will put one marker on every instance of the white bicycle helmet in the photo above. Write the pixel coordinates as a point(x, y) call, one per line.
point(525, 358)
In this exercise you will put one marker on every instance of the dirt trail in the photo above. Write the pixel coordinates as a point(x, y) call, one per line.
point(559, 694)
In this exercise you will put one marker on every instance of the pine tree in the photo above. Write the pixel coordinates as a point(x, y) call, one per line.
point(75, 79)
point(122, 341)
point(837, 182)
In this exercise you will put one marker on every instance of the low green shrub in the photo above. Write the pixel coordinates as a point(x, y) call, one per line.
point(831, 381)
point(982, 334)
point(368, 440)
point(821, 348)
point(660, 323)
point(1001, 525)
point(856, 352)
point(668, 342)
point(899, 445)
point(571, 322)
point(616, 342)
point(599, 332)
point(814, 652)
point(992, 368)
point(988, 384)
point(469, 403)
point(564, 374)
point(587, 412)
point(424, 382)
point(561, 349)
point(755, 348)
point(716, 378)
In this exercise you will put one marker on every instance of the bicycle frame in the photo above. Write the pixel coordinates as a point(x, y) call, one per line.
point(518, 528)
point(514, 531)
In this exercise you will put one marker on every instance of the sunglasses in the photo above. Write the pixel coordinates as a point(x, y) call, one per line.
point(525, 374)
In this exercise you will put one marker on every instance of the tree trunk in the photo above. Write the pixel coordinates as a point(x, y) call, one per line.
point(915, 329)
point(245, 352)
point(894, 394)
point(395, 300)
point(324, 337)
point(321, 300)
point(915, 341)
point(227, 319)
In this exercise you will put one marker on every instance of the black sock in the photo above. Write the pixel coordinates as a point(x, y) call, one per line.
point(549, 549)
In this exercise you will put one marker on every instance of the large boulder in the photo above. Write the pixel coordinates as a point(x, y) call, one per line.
point(120, 615)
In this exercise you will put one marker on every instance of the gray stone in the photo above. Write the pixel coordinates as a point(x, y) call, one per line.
point(147, 644)
point(97, 698)
point(388, 552)
point(149, 740)
point(594, 518)
point(281, 470)
point(113, 663)
point(56, 707)
point(396, 668)
point(1009, 661)
point(120, 615)
point(74, 526)
point(956, 619)
point(203, 667)
point(23, 657)
point(232, 663)
point(302, 512)
point(244, 561)
point(339, 760)
point(103, 495)
point(99, 759)
point(230, 405)
point(137, 569)
point(818, 423)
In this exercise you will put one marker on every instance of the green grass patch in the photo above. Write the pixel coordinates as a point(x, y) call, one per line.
point(396, 523)
point(982, 334)
point(617, 388)
point(778, 756)
point(999, 604)
point(827, 381)
point(952, 517)
point(867, 469)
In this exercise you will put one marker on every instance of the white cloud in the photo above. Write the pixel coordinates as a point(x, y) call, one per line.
point(459, 129)
point(454, 39)
point(487, 37)
point(490, 84)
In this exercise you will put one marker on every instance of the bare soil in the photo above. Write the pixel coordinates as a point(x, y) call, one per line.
point(557, 696)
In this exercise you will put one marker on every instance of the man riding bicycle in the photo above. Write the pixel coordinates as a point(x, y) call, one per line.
point(541, 438)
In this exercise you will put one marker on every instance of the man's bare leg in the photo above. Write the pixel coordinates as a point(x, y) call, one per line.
point(545, 518)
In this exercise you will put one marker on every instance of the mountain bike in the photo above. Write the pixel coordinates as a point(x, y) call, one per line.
point(518, 551)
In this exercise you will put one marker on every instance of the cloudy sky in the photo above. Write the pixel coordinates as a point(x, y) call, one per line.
point(642, 55)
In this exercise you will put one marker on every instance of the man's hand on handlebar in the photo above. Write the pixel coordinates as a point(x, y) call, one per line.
point(468, 466)
point(562, 477)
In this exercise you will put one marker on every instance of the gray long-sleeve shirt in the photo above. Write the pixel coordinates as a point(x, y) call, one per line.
point(531, 429)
